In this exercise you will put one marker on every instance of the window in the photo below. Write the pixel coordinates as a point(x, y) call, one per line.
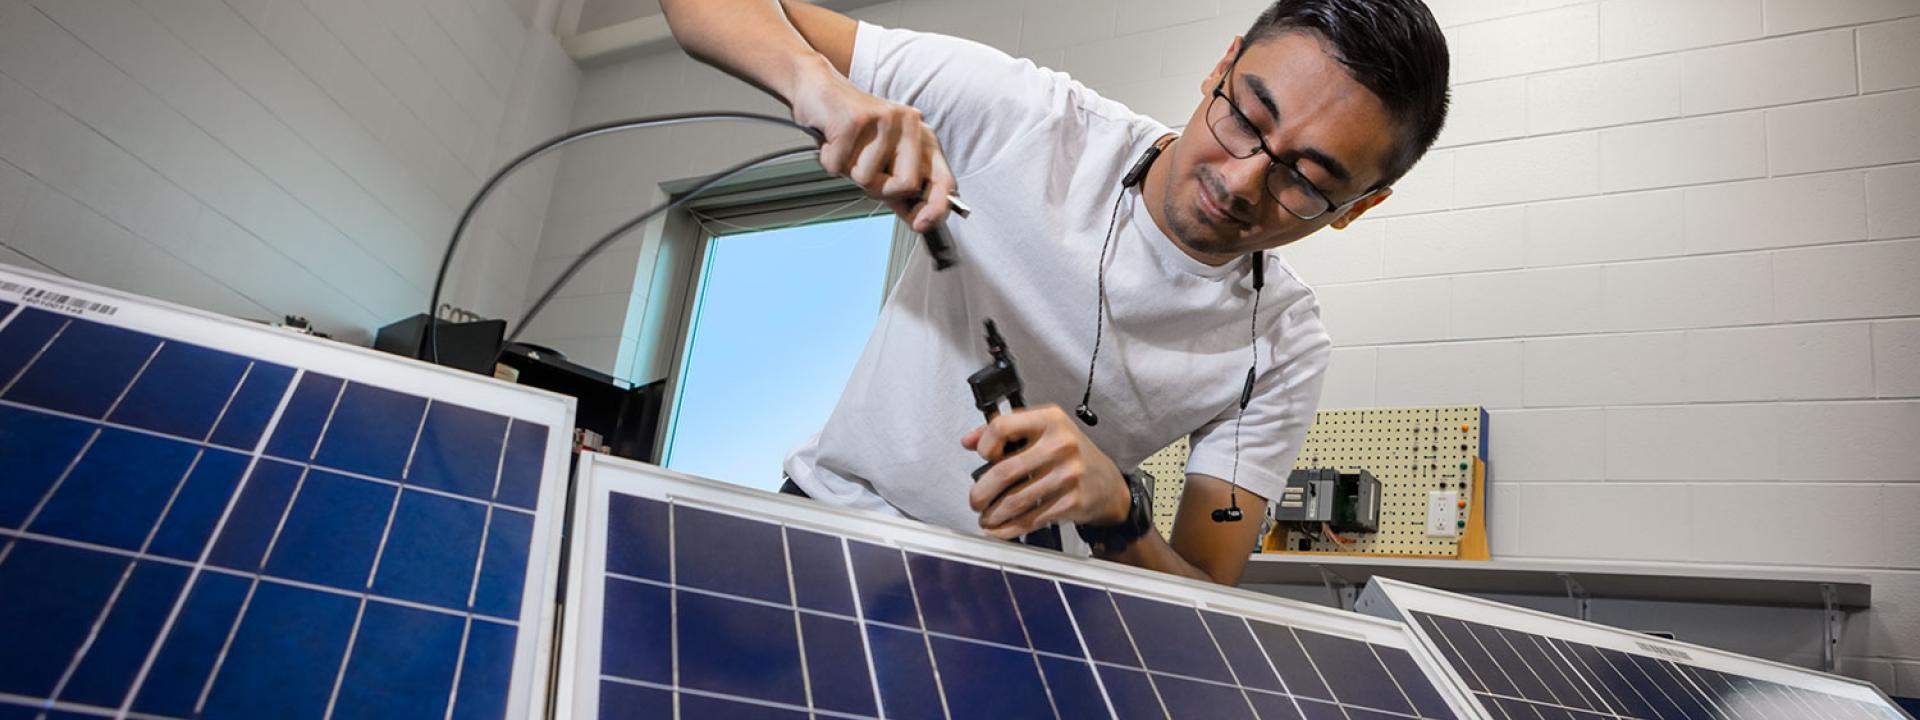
point(779, 300)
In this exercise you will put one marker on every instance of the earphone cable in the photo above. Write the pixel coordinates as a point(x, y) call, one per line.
point(1100, 306)
point(1253, 334)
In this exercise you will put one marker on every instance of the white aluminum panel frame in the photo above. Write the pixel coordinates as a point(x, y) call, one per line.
point(1397, 600)
point(599, 476)
point(533, 646)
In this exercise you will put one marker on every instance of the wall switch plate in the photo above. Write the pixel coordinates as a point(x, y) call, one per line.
point(1443, 514)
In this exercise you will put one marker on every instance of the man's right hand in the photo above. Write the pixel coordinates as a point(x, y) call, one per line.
point(802, 53)
point(882, 146)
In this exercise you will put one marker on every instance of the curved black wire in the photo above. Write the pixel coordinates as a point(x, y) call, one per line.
point(1085, 411)
point(473, 206)
point(628, 226)
point(1253, 339)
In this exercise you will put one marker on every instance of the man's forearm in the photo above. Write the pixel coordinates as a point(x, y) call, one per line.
point(749, 39)
point(1202, 548)
point(1153, 552)
point(802, 54)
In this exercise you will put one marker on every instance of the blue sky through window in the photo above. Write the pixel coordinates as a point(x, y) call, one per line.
point(781, 318)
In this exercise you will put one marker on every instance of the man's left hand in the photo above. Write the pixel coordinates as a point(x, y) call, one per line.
point(1059, 475)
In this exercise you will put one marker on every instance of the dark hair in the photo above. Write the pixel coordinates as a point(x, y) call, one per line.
point(1392, 47)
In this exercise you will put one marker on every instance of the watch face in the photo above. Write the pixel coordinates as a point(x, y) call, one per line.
point(1140, 516)
point(1140, 485)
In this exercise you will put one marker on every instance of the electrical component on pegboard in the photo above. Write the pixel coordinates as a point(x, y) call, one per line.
point(1443, 513)
point(1325, 502)
point(1412, 452)
point(1356, 502)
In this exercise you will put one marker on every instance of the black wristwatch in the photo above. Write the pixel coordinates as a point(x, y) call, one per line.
point(1115, 538)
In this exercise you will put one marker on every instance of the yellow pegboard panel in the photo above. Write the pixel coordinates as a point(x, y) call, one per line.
point(1169, 470)
point(1412, 451)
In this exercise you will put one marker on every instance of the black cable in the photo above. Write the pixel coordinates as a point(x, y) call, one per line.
point(432, 336)
point(628, 226)
point(1085, 411)
point(1253, 332)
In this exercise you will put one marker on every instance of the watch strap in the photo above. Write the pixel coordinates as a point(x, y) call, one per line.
point(1138, 521)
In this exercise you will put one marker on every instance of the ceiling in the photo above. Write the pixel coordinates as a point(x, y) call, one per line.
point(597, 14)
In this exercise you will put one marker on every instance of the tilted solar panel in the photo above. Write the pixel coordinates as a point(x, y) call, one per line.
point(201, 517)
point(1521, 664)
point(728, 603)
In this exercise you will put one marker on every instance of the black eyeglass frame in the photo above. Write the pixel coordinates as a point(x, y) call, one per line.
point(1273, 158)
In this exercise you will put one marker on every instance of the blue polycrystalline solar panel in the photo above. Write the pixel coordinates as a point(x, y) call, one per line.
point(204, 518)
point(1521, 664)
point(724, 602)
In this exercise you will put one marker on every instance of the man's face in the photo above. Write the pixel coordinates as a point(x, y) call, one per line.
point(1311, 113)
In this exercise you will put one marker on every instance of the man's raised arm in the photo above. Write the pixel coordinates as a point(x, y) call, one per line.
point(802, 54)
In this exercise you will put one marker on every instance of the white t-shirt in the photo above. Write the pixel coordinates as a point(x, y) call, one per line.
point(1039, 159)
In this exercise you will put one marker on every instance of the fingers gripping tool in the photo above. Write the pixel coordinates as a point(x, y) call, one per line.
point(999, 382)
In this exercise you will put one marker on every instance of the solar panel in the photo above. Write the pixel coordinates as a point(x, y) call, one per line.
point(205, 518)
point(1521, 664)
point(715, 601)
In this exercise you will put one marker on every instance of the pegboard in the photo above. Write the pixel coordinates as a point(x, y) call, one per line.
point(1169, 470)
point(1412, 451)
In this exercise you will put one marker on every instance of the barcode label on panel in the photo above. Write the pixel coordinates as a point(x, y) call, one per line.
point(1667, 652)
point(56, 301)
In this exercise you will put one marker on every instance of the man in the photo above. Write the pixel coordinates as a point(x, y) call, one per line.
point(1142, 299)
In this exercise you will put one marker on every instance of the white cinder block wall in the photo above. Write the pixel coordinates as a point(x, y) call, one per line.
point(1673, 244)
point(270, 157)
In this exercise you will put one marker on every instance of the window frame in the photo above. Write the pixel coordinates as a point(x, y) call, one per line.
point(783, 195)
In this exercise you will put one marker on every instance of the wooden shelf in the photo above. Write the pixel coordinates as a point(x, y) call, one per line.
point(1737, 585)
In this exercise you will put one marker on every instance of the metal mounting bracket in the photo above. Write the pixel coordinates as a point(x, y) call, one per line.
point(1341, 589)
point(1833, 621)
point(1582, 603)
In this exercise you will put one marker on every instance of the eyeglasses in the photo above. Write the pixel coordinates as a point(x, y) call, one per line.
point(1241, 139)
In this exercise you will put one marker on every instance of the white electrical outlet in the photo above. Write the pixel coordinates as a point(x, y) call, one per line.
point(1443, 514)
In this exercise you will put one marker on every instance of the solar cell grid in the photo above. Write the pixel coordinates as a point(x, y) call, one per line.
point(1524, 665)
point(1243, 653)
point(196, 532)
point(1547, 665)
point(1172, 638)
point(1355, 674)
point(698, 603)
point(1423, 695)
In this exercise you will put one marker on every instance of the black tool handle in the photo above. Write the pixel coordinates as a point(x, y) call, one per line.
point(940, 248)
point(1012, 446)
point(997, 382)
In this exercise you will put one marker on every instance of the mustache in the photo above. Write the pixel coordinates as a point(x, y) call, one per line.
point(1237, 208)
